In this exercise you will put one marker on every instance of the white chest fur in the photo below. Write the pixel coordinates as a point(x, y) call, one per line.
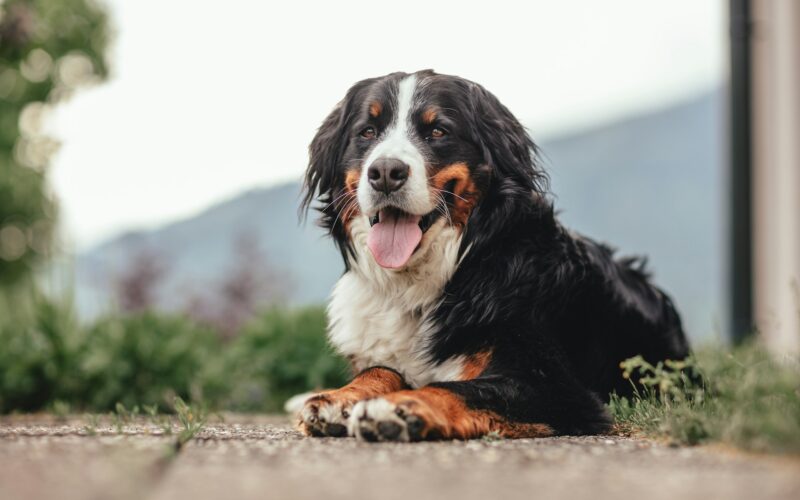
point(382, 317)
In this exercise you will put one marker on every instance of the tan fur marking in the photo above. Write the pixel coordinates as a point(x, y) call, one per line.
point(429, 115)
point(464, 192)
point(368, 384)
point(447, 416)
point(375, 109)
point(349, 207)
point(475, 364)
point(351, 179)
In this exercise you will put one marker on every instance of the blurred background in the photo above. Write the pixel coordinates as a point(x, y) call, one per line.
point(150, 157)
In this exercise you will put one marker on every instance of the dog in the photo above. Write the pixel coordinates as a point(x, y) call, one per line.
point(465, 307)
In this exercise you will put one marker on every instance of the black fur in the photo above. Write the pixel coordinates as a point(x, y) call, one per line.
point(557, 310)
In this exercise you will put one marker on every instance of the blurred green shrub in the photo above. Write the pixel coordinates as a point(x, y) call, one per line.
point(40, 354)
point(278, 355)
point(48, 49)
point(145, 358)
point(48, 358)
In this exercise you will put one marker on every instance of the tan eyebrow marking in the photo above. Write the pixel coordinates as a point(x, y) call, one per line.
point(375, 109)
point(429, 115)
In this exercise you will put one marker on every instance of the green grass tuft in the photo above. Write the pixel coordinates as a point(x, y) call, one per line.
point(745, 397)
point(191, 419)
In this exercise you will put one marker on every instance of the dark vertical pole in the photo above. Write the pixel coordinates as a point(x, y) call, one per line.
point(740, 213)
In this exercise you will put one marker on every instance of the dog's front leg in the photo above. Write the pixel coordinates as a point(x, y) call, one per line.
point(327, 413)
point(432, 412)
point(500, 405)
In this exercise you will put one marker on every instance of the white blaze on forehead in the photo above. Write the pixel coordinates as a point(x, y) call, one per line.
point(396, 142)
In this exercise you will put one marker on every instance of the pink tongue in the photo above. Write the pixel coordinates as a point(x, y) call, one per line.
point(394, 239)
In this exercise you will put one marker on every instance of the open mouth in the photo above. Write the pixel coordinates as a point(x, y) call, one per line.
point(425, 221)
point(395, 235)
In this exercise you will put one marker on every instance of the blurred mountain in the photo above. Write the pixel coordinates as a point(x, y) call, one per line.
point(196, 253)
point(650, 184)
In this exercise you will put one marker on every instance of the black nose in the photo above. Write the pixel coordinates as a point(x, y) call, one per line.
point(387, 174)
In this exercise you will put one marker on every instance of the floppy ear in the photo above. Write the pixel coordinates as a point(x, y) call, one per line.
point(507, 147)
point(325, 153)
point(517, 184)
point(325, 173)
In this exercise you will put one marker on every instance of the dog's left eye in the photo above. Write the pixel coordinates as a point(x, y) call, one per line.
point(368, 133)
point(437, 133)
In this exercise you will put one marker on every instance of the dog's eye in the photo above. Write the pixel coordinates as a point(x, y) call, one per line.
point(437, 133)
point(368, 133)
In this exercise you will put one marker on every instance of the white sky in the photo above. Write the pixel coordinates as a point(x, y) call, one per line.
point(208, 98)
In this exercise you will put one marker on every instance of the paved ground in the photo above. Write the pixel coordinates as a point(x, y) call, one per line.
point(248, 457)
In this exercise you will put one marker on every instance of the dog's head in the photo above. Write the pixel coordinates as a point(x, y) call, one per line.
point(406, 154)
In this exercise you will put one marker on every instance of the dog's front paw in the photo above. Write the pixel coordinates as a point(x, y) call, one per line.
point(382, 420)
point(325, 415)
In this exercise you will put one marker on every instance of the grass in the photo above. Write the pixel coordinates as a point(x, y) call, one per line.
point(192, 420)
point(745, 397)
point(189, 419)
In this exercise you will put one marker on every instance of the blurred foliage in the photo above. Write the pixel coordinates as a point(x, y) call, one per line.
point(49, 360)
point(48, 48)
point(39, 356)
point(745, 397)
point(145, 358)
point(279, 355)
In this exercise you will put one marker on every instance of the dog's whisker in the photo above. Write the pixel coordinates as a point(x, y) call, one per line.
point(448, 192)
point(334, 201)
point(346, 199)
point(352, 207)
point(344, 194)
point(347, 208)
point(441, 208)
point(447, 210)
point(340, 212)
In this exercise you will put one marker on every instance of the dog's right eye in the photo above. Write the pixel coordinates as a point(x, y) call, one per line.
point(368, 133)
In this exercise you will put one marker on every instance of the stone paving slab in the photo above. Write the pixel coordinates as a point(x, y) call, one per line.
point(264, 457)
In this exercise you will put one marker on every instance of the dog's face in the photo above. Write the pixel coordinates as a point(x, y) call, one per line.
point(406, 153)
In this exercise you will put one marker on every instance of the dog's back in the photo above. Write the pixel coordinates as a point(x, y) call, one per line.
point(617, 313)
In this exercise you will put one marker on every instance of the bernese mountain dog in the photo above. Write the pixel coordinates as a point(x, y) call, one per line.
point(465, 307)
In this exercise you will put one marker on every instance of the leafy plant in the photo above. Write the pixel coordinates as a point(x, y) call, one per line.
point(191, 419)
point(92, 422)
point(278, 355)
point(750, 399)
point(140, 362)
point(48, 49)
point(39, 358)
point(145, 358)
